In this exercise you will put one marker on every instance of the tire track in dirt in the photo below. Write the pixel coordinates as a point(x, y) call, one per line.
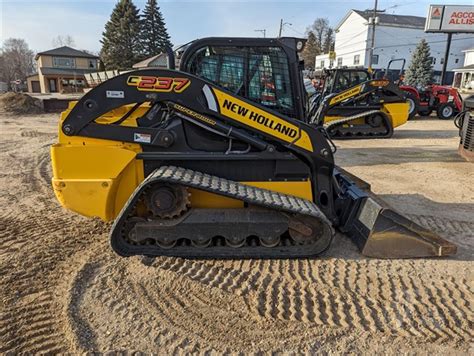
point(63, 290)
point(169, 311)
point(36, 133)
point(31, 323)
point(445, 226)
point(287, 292)
point(40, 232)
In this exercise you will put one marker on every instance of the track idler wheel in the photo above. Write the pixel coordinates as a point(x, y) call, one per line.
point(166, 243)
point(235, 242)
point(305, 230)
point(270, 241)
point(201, 242)
point(375, 120)
point(167, 200)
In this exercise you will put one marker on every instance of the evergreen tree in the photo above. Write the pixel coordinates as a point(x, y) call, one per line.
point(154, 36)
point(420, 71)
point(310, 51)
point(120, 40)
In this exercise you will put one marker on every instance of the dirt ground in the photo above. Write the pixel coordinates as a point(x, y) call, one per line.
point(62, 289)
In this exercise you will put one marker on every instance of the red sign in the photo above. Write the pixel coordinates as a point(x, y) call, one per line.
point(436, 13)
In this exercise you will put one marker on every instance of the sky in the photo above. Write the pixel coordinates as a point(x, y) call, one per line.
point(38, 21)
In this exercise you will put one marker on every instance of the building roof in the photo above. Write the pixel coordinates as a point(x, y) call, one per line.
point(66, 51)
point(65, 71)
point(468, 68)
point(394, 20)
point(390, 20)
point(152, 61)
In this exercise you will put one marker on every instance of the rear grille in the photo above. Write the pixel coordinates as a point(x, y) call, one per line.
point(467, 133)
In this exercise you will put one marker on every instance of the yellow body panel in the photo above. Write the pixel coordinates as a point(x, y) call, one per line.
point(397, 112)
point(202, 199)
point(95, 177)
point(349, 93)
point(261, 120)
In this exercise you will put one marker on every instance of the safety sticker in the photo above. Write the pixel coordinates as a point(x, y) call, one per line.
point(115, 94)
point(141, 137)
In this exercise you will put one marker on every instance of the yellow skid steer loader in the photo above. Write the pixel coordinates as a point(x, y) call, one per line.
point(218, 160)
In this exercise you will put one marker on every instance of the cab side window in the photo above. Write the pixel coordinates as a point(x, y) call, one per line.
point(260, 74)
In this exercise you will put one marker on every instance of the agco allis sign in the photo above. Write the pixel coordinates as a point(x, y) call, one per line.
point(158, 84)
point(462, 18)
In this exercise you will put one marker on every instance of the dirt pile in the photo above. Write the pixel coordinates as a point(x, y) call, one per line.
point(20, 103)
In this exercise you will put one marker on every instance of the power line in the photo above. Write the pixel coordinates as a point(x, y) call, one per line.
point(405, 45)
point(295, 31)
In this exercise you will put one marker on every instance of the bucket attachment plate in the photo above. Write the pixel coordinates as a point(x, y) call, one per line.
point(379, 231)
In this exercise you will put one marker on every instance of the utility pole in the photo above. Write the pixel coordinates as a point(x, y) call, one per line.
point(264, 31)
point(446, 57)
point(281, 26)
point(372, 44)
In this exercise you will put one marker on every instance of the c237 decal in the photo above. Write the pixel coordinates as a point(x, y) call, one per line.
point(158, 84)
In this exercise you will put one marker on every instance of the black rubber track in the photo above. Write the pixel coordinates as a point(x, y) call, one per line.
point(363, 134)
point(261, 197)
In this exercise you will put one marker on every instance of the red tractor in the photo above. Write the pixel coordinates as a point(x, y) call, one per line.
point(445, 100)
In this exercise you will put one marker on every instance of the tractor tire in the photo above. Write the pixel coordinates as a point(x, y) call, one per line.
point(413, 105)
point(446, 111)
point(424, 112)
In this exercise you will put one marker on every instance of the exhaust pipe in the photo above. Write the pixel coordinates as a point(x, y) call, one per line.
point(378, 230)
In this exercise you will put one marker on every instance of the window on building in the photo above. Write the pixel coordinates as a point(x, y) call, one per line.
point(375, 59)
point(442, 61)
point(339, 61)
point(64, 62)
point(456, 60)
point(356, 59)
point(331, 63)
point(433, 60)
point(322, 64)
point(92, 63)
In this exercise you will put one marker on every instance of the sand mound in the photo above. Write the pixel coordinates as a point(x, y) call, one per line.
point(20, 103)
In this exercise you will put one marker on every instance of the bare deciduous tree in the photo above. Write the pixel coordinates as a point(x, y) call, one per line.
point(319, 28)
point(310, 51)
point(16, 61)
point(66, 40)
point(323, 35)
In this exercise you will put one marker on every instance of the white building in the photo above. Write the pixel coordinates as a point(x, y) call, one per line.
point(464, 77)
point(396, 36)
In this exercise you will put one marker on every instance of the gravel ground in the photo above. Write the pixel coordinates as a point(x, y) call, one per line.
point(64, 290)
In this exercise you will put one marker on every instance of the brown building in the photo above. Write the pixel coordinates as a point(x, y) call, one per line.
point(61, 70)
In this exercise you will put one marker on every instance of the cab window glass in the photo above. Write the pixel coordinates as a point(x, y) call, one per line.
point(260, 74)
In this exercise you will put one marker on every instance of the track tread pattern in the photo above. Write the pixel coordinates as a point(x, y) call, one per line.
point(249, 194)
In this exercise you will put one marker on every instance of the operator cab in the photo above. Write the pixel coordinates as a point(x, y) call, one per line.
point(340, 79)
point(265, 71)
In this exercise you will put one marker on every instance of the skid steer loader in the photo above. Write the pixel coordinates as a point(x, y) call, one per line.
point(218, 160)
point(353, 105)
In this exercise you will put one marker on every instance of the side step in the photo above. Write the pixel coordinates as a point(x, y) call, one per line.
point(381, 232)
